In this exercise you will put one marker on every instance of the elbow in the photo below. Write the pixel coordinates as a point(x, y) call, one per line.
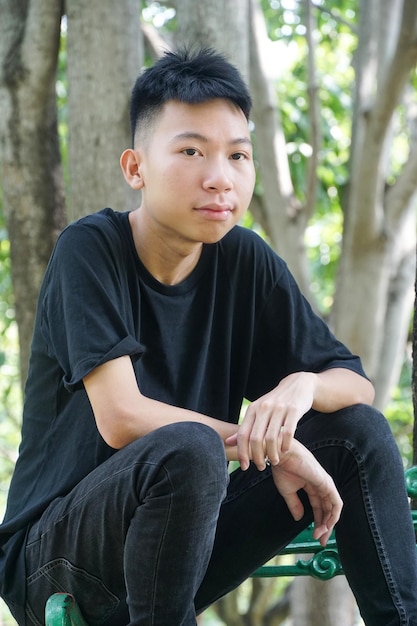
point(366, 392)
point(113, 441)
point(115, 428)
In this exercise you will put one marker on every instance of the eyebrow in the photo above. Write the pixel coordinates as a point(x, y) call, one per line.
point(203, 138)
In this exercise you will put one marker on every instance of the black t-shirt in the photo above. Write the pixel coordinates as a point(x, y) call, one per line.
point(231, 330)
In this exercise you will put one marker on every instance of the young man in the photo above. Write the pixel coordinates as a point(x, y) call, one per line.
point(152, 327)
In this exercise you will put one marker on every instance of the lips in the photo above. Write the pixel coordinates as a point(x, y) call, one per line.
point(215, 212)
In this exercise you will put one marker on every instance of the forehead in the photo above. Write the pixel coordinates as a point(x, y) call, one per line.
point(210, 119)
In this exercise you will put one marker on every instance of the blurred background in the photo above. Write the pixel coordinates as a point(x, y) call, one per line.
point(334, 126)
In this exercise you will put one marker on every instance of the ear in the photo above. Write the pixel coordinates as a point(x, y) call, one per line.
point(130, 162)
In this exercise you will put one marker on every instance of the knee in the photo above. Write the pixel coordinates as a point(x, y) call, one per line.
point(356, 437)
point(198, 449)
point(366, 428)
point(357, 427)
point(366, 420)
point(194, 439)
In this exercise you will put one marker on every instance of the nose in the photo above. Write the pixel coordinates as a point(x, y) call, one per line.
point(217, 177)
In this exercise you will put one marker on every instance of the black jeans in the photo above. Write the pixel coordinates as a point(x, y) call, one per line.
point(151, 536)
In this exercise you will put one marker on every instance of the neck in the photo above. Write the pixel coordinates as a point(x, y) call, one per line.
point(168, 263)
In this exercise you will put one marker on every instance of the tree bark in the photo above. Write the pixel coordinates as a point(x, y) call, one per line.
point(216, 24)
point(104, 54)
point(414, 382)
point(30, 161)
point(104, 58)
point(372, 227)
point(282, 216)
point(322, 603)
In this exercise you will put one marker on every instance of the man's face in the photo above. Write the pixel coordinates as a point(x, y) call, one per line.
point(197, 171)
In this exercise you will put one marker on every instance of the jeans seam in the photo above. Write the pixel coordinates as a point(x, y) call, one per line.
point(160, 544)
point(377, 537)
point(77, 502)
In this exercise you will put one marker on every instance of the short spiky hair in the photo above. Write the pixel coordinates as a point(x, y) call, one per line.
point(186, 76)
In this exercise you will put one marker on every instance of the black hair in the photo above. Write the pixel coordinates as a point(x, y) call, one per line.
point(186, 76)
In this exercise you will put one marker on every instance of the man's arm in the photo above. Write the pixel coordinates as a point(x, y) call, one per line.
point(270, 421)
point(123, 414)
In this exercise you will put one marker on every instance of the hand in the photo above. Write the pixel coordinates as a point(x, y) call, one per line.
point(299, 469)
point(269, 424)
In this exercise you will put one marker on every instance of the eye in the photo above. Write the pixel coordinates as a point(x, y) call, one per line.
point(190, 152)
point(238, 156)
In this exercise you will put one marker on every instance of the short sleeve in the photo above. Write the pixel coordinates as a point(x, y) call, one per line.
point(291, 337)
point(86, 302)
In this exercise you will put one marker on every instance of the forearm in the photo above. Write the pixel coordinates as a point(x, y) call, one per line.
point(152, 414)
point(338, 388)
point(123, 414)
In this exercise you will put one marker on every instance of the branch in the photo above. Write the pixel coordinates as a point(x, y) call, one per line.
point(398, 71)
point(313, 114)
point(153, 40)
point(398, 197)
point(279, 196)
point(280, 611)
point(336, 17)
point(374, 113)
point(262, 593)
point(40, 44)
point(259, 213)
point(226, 608)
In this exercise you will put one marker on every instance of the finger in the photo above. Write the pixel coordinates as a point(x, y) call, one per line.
point(295, 506)
point(280, 432)
point(287, 435)
point(274, 434)
point(243, 435)
point(326, 514)
point(278, 440)
point(232, 440)
point(273, 440)
point(288, 428)
point(254, 427)
point(324, 537)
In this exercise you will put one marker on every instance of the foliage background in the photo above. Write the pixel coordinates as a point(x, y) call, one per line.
point(336, 41)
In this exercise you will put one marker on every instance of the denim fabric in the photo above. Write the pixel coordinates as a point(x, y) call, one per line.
point(375, 535)
point(133, 540)
point(138, 530)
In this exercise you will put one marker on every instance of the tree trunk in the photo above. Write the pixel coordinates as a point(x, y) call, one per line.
point(31, 168)
point(104, 51)
point(282, 216)
point(397, 318)
point(376, 213)
point(216, 24)
point(322, 603)
point(414, 383)
point(104, 58)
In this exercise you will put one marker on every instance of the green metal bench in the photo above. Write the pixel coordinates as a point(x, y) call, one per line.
point(323, 563)
point(62, 610)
